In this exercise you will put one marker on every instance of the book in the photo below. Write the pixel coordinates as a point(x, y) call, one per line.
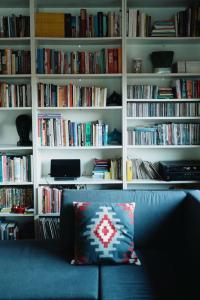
point(50, 24)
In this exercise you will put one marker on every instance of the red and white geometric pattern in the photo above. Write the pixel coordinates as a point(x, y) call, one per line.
point(105, 232)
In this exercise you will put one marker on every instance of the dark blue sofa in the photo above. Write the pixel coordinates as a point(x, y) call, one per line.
point(167, 240)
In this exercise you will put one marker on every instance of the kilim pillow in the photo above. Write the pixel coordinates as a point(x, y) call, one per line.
point(104, 233)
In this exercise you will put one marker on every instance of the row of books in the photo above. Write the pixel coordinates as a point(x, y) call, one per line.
point(50, 61)
point(16, 168)
point(107, 168)
point(49, 199)
point(48, 228)
point(140, 169)
point(165, 134)
point(142, 91)
point(163, 28)
point(55, 131)
point(51, 95)
point(187, 88)
point(181, 89)
point(15, 196)
point(15, 95)
point(182, 24)
point(8, 231)
point(14, 26)
point(163, 109)
point(138, 24)
point(14, 61)
point(188, 21)
point(101, 24)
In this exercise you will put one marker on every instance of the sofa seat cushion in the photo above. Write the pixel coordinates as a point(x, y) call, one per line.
point(34, 270)
point(155, 279)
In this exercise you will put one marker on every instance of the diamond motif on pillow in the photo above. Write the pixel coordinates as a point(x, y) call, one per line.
point(104, 233)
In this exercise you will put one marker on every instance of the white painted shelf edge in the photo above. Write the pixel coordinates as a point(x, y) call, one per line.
point(81, 180)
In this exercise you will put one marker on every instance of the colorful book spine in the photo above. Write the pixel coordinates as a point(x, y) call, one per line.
point(79, 62)
point(16, 168)
point(51, 95)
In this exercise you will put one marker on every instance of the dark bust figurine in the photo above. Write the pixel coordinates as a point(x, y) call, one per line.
point(23, 125)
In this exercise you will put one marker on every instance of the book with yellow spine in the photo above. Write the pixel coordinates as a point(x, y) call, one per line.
point(50, 25)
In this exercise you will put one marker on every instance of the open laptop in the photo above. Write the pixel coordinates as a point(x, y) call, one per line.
point(65, 169)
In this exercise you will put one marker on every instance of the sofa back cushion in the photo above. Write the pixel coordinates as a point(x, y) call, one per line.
point(158, 215)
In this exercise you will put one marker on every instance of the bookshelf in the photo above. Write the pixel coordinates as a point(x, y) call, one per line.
point(184, 47)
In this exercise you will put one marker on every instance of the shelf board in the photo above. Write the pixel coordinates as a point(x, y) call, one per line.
point(162, 146)
point(77, 3)
point(159, 3)
point(81, 108)
point(15, 108)
point(78, 148)
point(15, 76)
point(164, 100)
point(162, 75)
point(162, 40)
point(13, 148)
point(163, 118)
point(77, 76)
point(149, 181)
point(15, 41)
point(81, 180)
point(15, 215)
point(49, 215)
point(79, 41)
point(10, 183)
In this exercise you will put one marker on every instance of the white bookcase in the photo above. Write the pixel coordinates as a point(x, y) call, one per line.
point(184, 48)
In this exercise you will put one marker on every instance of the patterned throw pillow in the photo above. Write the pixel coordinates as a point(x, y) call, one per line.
point(104, 233)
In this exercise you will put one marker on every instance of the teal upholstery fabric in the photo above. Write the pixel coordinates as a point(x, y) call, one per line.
point(34, 270)
point(156, 279)
point(158, 215)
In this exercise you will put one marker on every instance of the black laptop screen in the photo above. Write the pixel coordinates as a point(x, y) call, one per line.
point(65, 168)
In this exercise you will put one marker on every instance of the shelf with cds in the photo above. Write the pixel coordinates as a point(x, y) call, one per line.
point(162, 105)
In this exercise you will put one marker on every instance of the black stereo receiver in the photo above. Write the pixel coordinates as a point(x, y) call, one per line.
point(180, 170)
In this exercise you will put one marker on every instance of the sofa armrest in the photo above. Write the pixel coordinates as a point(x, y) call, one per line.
point(192, 224)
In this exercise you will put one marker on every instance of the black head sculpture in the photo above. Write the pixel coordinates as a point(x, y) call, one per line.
point(23, 125)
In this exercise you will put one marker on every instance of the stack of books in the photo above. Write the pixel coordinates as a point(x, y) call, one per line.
point(107, 168)
point(101, 169)
point(165, 93)
point(8, 231)
point(164, 28)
